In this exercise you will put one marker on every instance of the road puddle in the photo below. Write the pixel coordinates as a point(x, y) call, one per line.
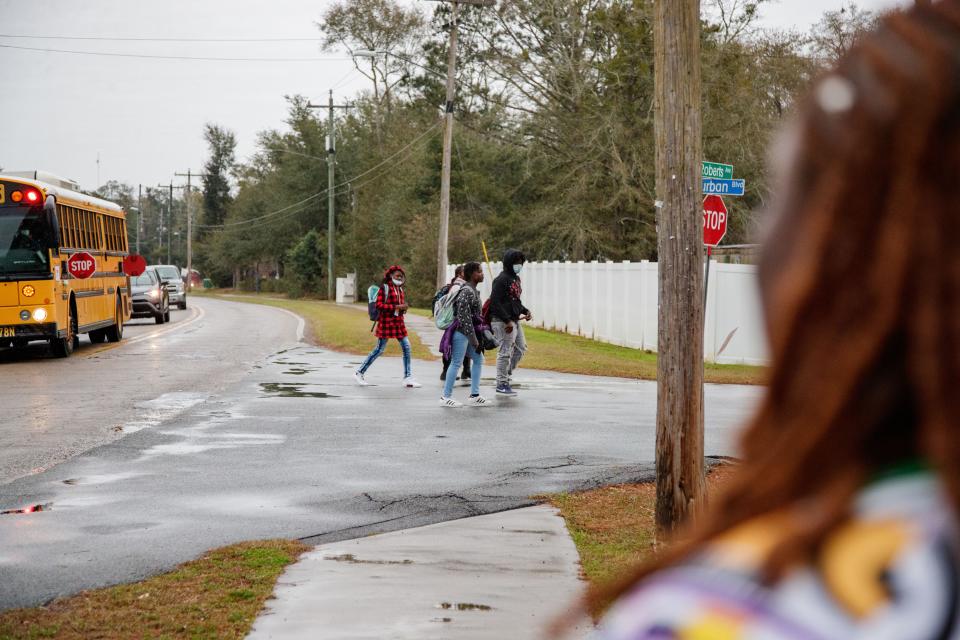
point(352, 559)
point(465, 606)
point(159, 410)
point(102, 478)
point(292, 390)
point(33, 508)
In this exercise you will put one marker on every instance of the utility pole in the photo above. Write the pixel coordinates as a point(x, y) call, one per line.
point(170, 186)
point(331, 196)
point(448, 138)
point(679, 152)
point(189, 175)
point(139, 214)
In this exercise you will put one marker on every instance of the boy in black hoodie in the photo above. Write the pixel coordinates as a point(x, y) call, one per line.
point(506, 311)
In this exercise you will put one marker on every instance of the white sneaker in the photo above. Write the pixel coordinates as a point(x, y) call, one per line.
point(410, 383)
point(450, 403)
point(478, 401)
point(359, 378)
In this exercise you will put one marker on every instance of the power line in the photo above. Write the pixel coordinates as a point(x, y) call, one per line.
point(159, 57)
point(150, 39)
point(287, 211)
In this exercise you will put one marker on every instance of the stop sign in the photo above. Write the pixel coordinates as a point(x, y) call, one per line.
point(82, 265)
point(134, 264)
point(714, 220)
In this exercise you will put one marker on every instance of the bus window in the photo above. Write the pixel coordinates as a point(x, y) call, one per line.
point(25, 238)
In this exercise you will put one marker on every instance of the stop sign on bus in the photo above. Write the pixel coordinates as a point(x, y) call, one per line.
point(714, 220)
point(81, 265)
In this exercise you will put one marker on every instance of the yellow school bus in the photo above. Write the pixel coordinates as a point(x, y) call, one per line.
point(44, 220)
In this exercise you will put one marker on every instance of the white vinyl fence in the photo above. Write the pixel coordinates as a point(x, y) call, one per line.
point(616, 302)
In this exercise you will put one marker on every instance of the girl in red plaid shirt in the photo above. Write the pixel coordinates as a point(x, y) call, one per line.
point(392, 307)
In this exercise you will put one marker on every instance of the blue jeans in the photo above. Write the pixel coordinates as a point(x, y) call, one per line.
point(461, 347)
point(381, 347)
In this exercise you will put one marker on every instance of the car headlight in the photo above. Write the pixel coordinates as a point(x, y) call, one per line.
point(39, 315)
point(153, 293)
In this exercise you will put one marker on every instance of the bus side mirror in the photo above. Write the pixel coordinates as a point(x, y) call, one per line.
point(53, 222)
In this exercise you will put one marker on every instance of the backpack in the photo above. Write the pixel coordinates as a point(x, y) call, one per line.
point(372, 310)
point(444, 310)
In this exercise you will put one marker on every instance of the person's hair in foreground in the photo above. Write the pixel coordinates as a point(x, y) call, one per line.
point(860, 280)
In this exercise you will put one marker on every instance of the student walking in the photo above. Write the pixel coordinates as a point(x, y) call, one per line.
point(506, 312)
point(444, 297)
point(465, 340)
point(391, 307)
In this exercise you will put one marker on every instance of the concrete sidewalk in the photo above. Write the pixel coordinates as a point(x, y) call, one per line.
point(504, 575)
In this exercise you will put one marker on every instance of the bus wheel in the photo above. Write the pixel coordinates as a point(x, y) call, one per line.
point(115, 333)
point(63, 347)
point(97, 336)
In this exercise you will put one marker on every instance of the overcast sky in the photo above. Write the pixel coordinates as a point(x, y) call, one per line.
point(145, 116)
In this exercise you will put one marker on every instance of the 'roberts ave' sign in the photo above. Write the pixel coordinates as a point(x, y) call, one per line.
point(717, 171)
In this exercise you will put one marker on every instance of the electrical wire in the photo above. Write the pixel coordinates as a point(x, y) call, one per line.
point(160, 57)
point(350, 184)
point(150, 39)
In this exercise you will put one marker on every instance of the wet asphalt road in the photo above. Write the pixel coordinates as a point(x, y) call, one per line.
point(288, 447)
point(54, 409)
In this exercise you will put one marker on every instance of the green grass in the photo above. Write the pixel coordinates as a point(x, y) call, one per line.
point(216, 596)
point(556, 351)
point(336, 327)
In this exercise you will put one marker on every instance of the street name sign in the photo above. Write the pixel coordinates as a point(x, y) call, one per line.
point(81, 265)
point(714, 220)
point(722, 187)
point(717, 170)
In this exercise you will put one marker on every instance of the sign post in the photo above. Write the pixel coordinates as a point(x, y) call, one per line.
point(81, 265)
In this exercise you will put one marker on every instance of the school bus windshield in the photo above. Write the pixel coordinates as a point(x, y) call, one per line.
point(25, 240)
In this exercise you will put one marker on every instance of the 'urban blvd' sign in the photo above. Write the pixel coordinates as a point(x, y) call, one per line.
point(719, 187)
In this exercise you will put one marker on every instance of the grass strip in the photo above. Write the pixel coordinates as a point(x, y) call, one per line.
point(558, 351)
point(332, 326)
point(614, 528)
point(216, 596)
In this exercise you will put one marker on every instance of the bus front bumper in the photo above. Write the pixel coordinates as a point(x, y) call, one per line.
point(29, 331)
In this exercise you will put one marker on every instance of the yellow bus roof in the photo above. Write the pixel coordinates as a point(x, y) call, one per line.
point(60, 192)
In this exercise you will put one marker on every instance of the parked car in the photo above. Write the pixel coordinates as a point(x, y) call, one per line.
point(150, 295)
point(172, 278)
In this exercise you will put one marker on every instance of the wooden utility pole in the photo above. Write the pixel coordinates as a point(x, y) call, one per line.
point(679, 149)
point(448, 137)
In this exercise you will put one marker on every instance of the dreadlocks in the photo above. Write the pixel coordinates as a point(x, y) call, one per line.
point(861, 286)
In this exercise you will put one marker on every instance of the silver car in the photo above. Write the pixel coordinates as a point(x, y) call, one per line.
point(175, 286)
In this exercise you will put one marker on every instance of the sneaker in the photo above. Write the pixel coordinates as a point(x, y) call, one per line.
point(505, 390)
point(410, 383)
point(359, 378)
point(477, 401)
point(450, 403)
point(466, 382)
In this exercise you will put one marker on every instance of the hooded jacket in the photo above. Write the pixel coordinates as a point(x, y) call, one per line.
point(505, 303)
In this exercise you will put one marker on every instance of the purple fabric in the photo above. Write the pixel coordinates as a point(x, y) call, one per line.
point(446, 342)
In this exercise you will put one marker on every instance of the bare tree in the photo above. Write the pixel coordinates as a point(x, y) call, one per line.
point(376, 25)
point(839, 30)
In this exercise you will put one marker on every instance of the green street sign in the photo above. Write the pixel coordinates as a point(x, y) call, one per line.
point(718, 171)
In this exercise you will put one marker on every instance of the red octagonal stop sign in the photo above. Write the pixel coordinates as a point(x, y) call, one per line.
point(714, 220)
point(82, 265)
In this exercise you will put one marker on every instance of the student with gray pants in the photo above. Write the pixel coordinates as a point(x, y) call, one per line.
point(506, 312)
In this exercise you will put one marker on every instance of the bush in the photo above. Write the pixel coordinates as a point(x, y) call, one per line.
point(305, 265)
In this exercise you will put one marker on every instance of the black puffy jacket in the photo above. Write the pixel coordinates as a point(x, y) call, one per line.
point(505, 303)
